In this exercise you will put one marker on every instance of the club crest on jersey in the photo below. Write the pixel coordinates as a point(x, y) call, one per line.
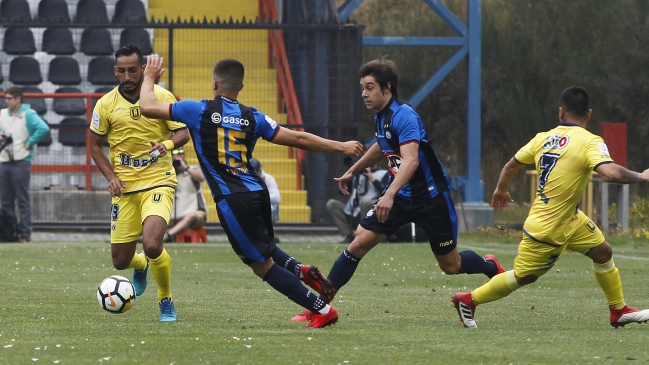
point(394, 161)
point(135, 112)
point(388, 135)
point(556, 142)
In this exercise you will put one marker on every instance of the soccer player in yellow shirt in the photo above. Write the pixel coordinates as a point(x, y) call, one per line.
point(141, 178)
point(564, 158)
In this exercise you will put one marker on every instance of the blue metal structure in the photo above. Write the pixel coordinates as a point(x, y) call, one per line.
point(469, 41)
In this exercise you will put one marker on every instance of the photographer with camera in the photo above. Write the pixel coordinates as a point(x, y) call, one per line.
point(365, 188)
point(188, 210)
point(20, 130)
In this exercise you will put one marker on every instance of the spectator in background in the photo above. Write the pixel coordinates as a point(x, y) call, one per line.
point(365, 188)
point(188, 210)
point(20, 130)
point(273, 191)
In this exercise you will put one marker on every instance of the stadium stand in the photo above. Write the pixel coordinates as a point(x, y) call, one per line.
point(100, 71)
point(2, 100)
point(25, 71)
point(15, 11)
point(96, 42)
point(91, 12)
point(103, 90)
point(68, 106)
point(19, 41)
point(47, 140)
point(64, 71)
point(73, 132)
point(2, 78)
point(137, 36)
point(58, 41)
point(38, 104)
point(53, 11)
point(129, 11)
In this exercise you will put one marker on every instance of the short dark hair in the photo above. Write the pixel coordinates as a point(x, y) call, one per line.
point(15, 91)
point(128, 50)
point(384, 72)
point(574, 100)
point(230, 73)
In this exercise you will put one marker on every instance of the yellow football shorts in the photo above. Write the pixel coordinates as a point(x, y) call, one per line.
point(129, 212)
point(536, 258)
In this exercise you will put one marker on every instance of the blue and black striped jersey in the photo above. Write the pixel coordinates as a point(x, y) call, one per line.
point(224, 134)
point(396, 125)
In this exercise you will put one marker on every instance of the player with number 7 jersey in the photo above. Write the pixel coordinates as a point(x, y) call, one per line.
point(564, 158)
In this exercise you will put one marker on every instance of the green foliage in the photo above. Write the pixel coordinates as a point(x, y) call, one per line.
point(395, 310)
point(531, 51)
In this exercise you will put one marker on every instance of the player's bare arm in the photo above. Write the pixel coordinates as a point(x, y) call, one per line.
point(408, 166)
point(369, 159)
point(311, 142)
point(501, 194)
point(115, 185)
point(614, 173)
point(149, 105)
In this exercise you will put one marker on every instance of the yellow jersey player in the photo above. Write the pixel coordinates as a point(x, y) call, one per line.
point(141, 178)
point(564, 158)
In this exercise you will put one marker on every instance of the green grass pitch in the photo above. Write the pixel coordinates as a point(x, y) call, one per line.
point(396, 310)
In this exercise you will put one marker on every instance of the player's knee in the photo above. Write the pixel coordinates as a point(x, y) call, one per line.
point(601, 253)
point(526, 280)
point(121, 263)
point(450, 268)
point(152, 249)
point(331, 203)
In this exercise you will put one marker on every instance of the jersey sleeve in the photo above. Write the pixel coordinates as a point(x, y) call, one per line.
point(525, 155)
point(99, 123)
point(597, 152)
point(407, 125)
point(188, 111)
point(266, 126)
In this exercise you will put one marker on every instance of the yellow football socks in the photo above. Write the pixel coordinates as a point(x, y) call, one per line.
point(138, 262)
point(498, 287)
point(608, 277)
point(161, 270)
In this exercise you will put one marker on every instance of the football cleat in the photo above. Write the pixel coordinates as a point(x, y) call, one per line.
point(626, 315)
point(465, 308)
point(323, 320)
point(304, 316)
point(312, 277)
point(492, 258)
point(167, 310)
point(139, 279)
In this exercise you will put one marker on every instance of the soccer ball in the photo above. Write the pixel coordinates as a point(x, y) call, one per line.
point(116, 294)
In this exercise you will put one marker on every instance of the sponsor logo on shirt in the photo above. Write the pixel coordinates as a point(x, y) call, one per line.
point(217, 118)
point(394, 161)
point(556, 142)
point(127, 160)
